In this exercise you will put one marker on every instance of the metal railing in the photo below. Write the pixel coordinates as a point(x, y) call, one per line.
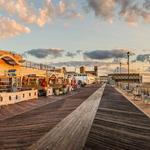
point(29, 64)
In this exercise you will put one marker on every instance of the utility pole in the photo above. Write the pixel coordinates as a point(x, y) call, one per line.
point(128, 63)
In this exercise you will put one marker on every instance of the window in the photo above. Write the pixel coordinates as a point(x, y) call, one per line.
point(1, 98)
point(10, 98)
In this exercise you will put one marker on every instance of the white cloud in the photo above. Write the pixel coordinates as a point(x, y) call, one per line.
point(10, 28)
point(67, 10)
point(131, 11)
point(19, 7)
point(27, 13)
point(47, 13)
point(63, 6)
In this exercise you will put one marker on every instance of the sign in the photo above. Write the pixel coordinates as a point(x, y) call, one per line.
point(12, 72)
point(32, 75)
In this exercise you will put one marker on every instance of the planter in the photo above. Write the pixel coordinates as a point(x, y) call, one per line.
point(65, 90)
point(57, 92)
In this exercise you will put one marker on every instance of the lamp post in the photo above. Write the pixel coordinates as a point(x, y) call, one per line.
point(128, 63)
point(120, 67)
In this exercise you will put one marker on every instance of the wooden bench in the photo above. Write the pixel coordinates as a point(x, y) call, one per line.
point(137, 93)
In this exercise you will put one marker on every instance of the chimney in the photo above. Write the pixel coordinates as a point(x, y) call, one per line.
point(64, 69)
point(96, 70)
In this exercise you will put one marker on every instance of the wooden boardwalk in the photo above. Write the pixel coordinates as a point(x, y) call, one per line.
point(71, 133)
point(9, 111)
point(19, 131)
point(118, 125)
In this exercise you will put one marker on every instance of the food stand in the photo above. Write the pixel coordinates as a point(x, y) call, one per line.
point(11, 91)
point(39, 82)
point(57, 82)
point(10, 82)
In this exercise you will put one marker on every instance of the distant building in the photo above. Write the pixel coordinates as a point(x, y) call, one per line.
point(84, 70)
point(103, 78)
point(124, 77)
point(58, 70)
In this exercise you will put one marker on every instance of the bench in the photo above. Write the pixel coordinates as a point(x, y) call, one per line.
point(146, 98)
point(137, 94)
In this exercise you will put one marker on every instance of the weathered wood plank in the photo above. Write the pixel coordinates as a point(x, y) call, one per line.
point(22, 130)
point(118, 125)
point(9, 111)
point(71, 132)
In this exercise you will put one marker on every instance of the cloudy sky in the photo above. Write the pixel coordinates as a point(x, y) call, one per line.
point(65, 30)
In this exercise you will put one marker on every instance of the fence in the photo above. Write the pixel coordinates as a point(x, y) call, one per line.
point(29, 64)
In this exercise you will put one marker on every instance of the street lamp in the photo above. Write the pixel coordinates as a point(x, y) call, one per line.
point(120, 67)
point(128, 63)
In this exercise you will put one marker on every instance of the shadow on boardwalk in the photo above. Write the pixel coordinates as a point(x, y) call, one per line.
point(118, 125)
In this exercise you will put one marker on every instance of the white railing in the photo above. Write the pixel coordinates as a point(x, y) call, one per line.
point(15, 97)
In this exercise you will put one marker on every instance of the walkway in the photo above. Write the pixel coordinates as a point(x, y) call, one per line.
point(22, 130)
point(9, 111)
point(71, 133)
point(143, 106)
point(118, 125)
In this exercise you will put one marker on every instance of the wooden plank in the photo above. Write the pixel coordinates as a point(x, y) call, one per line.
point(21, 131)
point(144, 107)
point(71, 132)
point(9, 111)
point(118, 125)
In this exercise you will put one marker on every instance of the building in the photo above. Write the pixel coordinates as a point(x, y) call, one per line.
point(125, 77)
point(94, 71)
point(103, 79)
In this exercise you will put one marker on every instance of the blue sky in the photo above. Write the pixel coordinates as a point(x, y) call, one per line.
point(86, 31)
